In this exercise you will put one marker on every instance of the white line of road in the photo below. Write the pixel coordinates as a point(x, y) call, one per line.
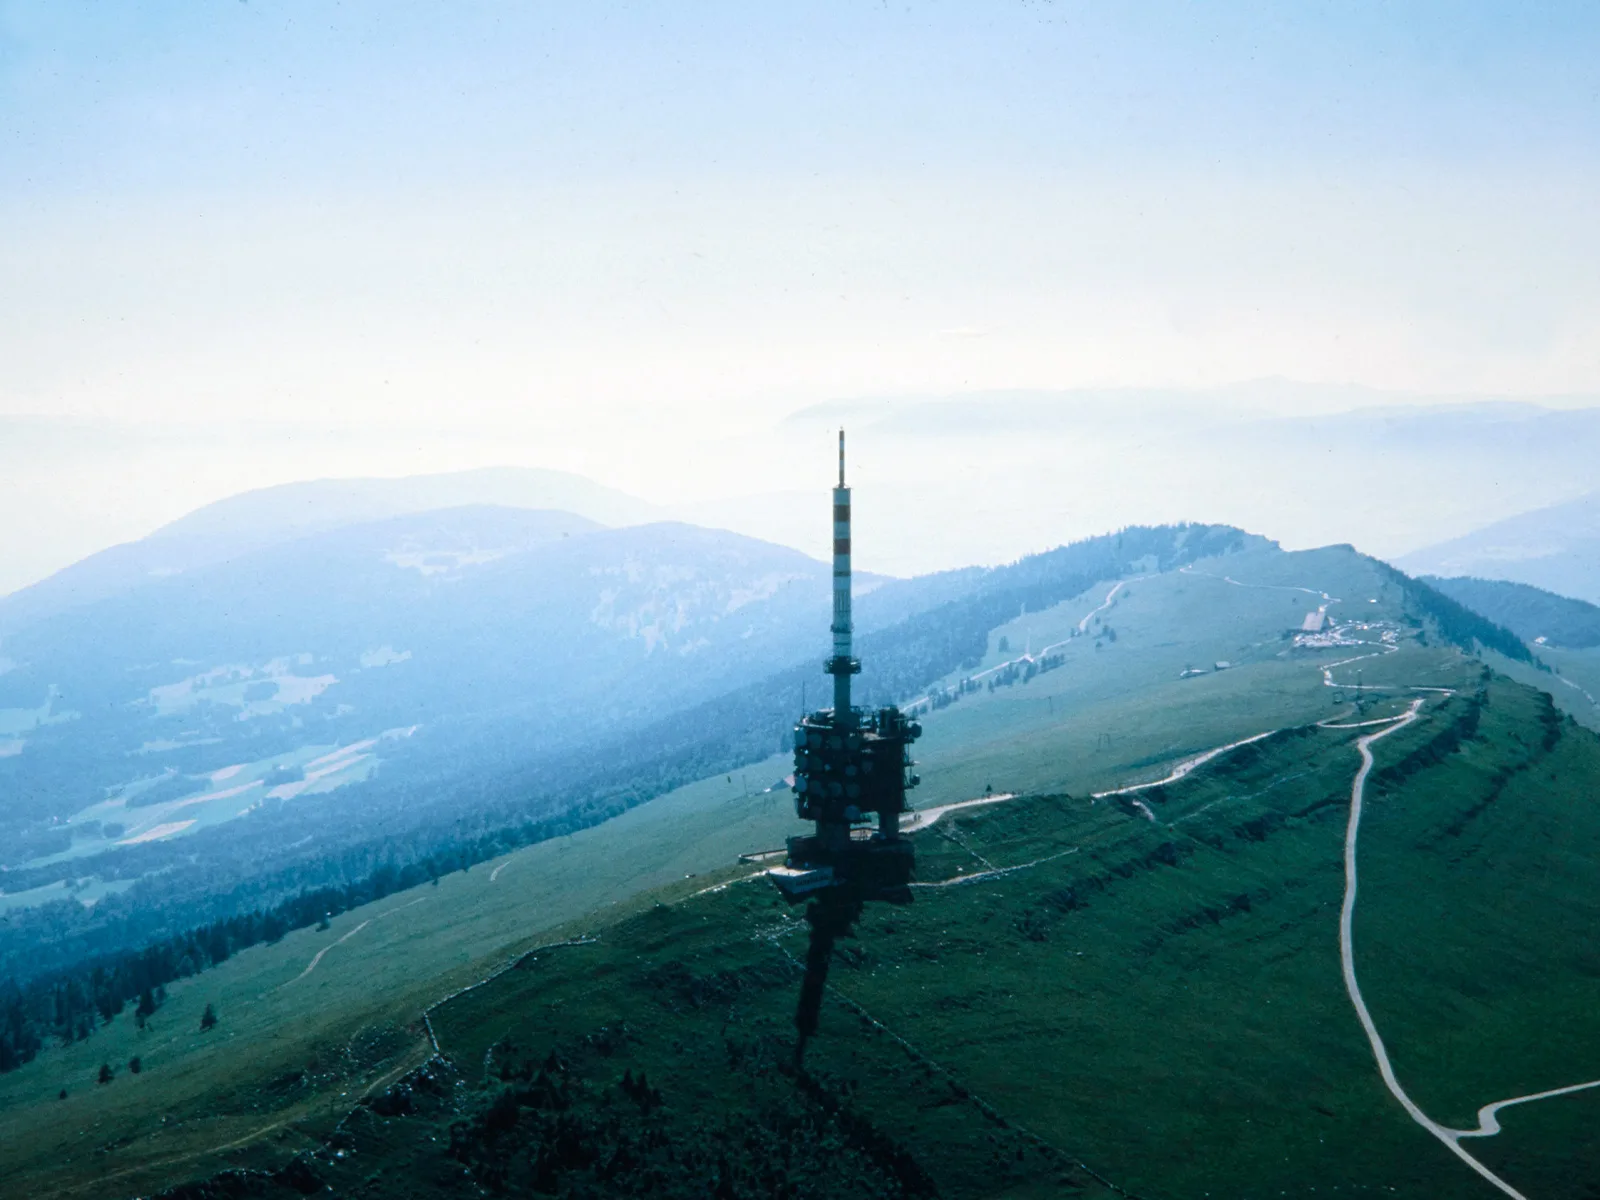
point(994, 872)
point(916, 822)
point(1584, 690)
point(1488, 1124)
point(1355, 724)
point(1083, 625)
point(1271, 587)
point(1327, 674)
point(924, 818)
point(1488, 1121)
point(1183, 768)
point(317, 957)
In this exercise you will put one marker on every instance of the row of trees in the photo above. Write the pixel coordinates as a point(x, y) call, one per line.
point(1025, 670)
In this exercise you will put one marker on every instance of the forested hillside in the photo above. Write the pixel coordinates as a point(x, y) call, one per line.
point(286, 867)
point(1532, 613)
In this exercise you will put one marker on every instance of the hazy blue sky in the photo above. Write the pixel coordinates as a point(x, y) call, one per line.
point(587, 228)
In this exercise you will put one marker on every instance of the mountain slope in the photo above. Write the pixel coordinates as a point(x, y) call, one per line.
point(1555, 548)
point(1532, 613)
point(488, 761)
point(1135, 993)
point(1157, 997)
point(1119, 703)
point(444, 625)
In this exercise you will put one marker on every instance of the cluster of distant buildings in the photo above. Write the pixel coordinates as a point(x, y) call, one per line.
point(1315, 632)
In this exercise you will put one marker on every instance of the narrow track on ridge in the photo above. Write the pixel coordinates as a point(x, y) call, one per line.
point(317, 957)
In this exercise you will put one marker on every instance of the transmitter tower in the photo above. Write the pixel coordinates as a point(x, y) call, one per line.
point(850, 765)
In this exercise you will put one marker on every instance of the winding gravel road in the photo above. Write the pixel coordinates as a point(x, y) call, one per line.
point(1183, 768)
point(1488, 1122)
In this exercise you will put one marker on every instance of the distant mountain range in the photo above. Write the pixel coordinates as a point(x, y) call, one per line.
point(457, 625)
point(1555, 548)
point(250, 521)
point(1003, 473)
point(303, 647)
point(951, 480)
point(354, 641)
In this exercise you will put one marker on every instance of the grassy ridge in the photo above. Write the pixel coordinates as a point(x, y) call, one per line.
point(1157, 1002)
point(1164, 998)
